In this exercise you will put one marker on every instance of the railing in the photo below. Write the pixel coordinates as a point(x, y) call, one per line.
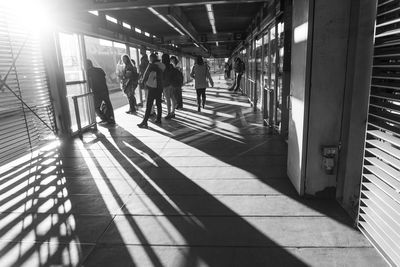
point(87, 115)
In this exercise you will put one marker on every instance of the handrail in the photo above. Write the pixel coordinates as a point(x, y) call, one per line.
point(77, 113)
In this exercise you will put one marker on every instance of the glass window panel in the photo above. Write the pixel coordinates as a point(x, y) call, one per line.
point(105, 54)
point(72, 61)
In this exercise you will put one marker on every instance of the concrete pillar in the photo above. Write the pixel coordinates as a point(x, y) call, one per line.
point(331, 47)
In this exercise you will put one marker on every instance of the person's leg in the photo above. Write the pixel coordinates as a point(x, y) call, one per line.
point(100, 114)
point(173, 101)
point(179, 98)
point(238, 79)
point(110, 110)
point(203, 97)
point(149, 104)
point(132, 101)
point(159, 107)
point(167, 95)
point(234, 83)
point(198, 92)
point(146, 93)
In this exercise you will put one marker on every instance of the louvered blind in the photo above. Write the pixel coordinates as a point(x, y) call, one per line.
point(23, 127)
point(379, 212)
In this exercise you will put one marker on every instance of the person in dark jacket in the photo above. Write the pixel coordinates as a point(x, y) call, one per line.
point(178, 89)
point(168, 88)
point(239, 69)
point(153, 80)
point(97, 83)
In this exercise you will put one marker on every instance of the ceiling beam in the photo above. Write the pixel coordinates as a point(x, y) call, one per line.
point(208, 38)
point(179, 18)
point(104, 5)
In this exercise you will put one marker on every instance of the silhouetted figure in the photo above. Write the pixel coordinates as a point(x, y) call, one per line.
point(200, 72)
point(128, 81)
point(153, 80)
point(97, 83)
point(239, 69)
point(177, 82)
point(169, 92)
point(228, 69)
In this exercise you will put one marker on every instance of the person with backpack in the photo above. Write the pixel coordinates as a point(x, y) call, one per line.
point(153, 81)
point(239, 69)
point(128, 82)
point(177, 82)
point(97, 83)
point(169, 92)
point(200, 73)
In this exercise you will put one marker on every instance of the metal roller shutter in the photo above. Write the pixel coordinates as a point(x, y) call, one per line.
point(379, 212)
point(23, 127)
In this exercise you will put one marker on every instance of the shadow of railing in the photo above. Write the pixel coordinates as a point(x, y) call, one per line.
point(39, 225)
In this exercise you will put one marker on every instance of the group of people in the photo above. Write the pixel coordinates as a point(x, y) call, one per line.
point(156, 78)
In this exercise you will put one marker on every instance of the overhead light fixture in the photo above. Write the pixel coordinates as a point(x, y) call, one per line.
point(210, 13)
point(126, 25)
point(217, 43)
point(165, 20)
point(94, 12)
point(196, 44)
point(111, 19)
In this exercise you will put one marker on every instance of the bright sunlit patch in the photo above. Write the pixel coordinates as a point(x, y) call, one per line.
point(301, 33)
point(32, 15)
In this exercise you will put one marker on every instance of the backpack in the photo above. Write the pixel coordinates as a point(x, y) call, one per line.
point(176, 78)
point(152, 79)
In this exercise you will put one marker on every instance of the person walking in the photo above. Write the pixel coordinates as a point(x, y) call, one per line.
point(168, 88)
point(128, 82)
point(97, 83)
point(177, 82)
point(200, 73)
point(239, 69)
point(153, 81)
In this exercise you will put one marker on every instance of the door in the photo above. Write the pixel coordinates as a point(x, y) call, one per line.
point(269, 77)
point(72, 59)
point(297, 99)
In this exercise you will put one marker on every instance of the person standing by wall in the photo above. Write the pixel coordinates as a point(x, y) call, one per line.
point(128, 82)
point(239, 69)
point(168, 88)
point(153, 81)
point(97, 83)
point(200, 73)
point(177, 82)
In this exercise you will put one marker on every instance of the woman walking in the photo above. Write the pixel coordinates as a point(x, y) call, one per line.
point(129, 80)
point(200, 73)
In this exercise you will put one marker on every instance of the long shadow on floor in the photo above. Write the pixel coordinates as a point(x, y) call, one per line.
point(189, 230)
point(251, 148)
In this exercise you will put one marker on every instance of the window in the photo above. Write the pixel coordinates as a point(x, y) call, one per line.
point(126, 25)
point(105, 54)
point(112, 19)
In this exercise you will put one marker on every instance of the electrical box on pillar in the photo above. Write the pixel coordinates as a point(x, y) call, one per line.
point(329, 154)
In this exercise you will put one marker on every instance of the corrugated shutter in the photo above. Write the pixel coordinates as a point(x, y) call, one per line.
point(379, 212)
point(23, 76)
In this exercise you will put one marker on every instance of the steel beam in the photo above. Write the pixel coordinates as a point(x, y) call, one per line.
point(103, 5)
point(180, 19)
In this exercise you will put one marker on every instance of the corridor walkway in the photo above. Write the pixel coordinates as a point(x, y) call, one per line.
point(205, 189)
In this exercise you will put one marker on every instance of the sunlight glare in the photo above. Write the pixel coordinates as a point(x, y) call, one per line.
point(33, 15)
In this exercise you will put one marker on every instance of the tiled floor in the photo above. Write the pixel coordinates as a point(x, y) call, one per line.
point(205, 189)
